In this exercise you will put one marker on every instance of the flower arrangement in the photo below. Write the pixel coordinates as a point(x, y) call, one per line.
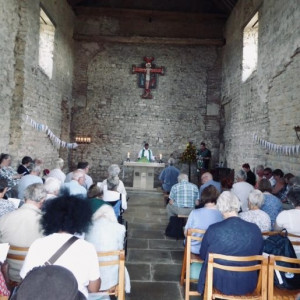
point(190, 154)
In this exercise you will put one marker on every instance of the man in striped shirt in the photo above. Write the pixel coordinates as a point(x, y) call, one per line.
point(183, 197)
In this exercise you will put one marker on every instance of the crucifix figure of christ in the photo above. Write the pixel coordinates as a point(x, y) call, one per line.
point(147, 76)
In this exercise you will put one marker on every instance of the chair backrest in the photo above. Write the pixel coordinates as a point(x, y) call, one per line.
point(190, 258)
point(17, 253)
point(294, 238)
point(261, 265)
point(15, 259)
point(118, 258)
point(276, 293)
point(269, 233)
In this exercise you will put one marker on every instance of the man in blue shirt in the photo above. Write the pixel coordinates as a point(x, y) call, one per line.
point(75, 186)
point(207, 179)
point(169, 176)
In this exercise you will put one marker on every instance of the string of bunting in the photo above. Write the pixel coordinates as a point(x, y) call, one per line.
point(57, 142)
point(290, 150)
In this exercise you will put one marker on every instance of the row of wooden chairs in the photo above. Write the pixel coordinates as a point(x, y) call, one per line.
point(19, 253)
point(265, 266)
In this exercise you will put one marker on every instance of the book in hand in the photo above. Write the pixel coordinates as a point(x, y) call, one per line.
point(4, 247)
point(15, 202)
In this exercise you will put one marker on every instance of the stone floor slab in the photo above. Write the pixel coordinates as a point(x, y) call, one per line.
point(146, 234)
point(153, 260)
point(165, 244)
point(137, 243)
point(147, 226)
point(154, 291)
point(169, 272)
point(137, 255)
point(140, 272)
point(177, 256)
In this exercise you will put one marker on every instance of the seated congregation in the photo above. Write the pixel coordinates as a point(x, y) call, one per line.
point(66, 216)
point(233, 219)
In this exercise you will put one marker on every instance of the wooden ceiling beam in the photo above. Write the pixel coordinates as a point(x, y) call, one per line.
point(98, 11)
point(150, 40)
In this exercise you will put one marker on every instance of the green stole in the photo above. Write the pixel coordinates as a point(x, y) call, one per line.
point(150, 154)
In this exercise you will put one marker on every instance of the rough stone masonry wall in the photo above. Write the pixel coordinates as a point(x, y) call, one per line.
point(28, 90)
point(185, 104)
point(268, 102)
point(8, 24)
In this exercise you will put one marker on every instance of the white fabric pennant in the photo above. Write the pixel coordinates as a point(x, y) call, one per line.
point(54, 139)
point(289, 150)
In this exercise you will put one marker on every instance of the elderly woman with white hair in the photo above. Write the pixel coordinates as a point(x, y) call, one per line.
point(57, 171)
point(113, 189)
point(233, 236)
point(52, 186)
point(106, 234)
point(255, 214)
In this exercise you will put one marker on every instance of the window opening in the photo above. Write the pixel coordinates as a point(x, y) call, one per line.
point(46, 43)
point(250, 47)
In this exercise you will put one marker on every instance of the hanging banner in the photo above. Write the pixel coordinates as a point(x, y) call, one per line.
point(289, 150)
point(57, 142)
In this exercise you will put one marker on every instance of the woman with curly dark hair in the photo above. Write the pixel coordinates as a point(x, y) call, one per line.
point(63, 217)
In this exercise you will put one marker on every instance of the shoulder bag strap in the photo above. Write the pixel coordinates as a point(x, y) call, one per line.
point(60, 251)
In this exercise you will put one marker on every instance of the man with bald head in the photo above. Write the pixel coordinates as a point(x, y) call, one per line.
point(207, 180)
point(75, 186)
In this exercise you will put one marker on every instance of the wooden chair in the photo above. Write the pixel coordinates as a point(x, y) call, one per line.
point(118, 290)
point(15, 258)
point(17, 253)
point(294, 238)
point(275, 293)
point(188, 259)
point(269, 233)
point(295, 242)
point(261, 289)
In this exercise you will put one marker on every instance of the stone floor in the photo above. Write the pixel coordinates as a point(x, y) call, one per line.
point(153, 260)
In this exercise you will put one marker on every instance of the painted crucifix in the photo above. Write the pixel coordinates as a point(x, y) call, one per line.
point(147, 76)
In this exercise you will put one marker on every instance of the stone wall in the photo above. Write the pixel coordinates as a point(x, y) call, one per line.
point(108, 106)
point(27, 89)
point(268, 102)
point(9, 20)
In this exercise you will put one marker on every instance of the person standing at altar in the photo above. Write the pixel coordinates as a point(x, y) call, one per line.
point(204, 156)
point(146, 152)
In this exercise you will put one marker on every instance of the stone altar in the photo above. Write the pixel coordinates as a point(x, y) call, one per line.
point(143, 174)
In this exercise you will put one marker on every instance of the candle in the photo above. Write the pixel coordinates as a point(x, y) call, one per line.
point(160, 156)
point(128, 155)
